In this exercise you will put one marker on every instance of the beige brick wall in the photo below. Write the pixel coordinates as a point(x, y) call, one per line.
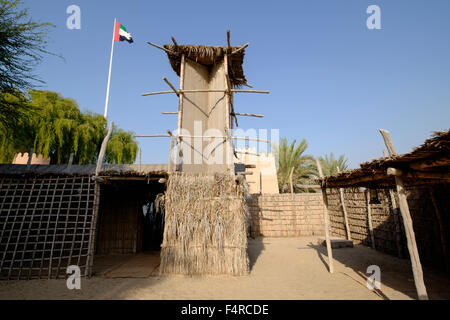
point(284, 216)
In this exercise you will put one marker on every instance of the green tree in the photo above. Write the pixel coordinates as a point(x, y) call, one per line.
point(121, 147)
point(292, 156)
point(330, 164)
point(56, 128)
point(22, 46)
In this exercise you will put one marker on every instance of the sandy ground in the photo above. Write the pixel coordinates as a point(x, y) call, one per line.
point(282, 268)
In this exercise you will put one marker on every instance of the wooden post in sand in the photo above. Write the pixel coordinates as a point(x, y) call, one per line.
point(347, 226)
point(369, 218)
point(407, 222)
point(325, 218)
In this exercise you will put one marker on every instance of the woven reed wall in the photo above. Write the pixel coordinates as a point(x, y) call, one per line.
point(205, 226)
point(283, 216)
point(45, 225)
point(423, 213)
point(355, 202)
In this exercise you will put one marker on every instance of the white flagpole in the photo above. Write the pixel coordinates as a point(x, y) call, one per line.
point(109, 74)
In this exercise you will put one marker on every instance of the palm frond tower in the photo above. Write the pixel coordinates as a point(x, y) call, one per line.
point(205, 222)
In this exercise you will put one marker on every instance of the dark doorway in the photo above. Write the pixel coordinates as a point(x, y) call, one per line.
point(131, 217)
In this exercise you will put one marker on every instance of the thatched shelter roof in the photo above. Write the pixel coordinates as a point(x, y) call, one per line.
point(208, 56)
point(426, 164)
point(83, 170)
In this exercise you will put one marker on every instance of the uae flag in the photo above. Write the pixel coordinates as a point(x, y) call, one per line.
point(121, 33)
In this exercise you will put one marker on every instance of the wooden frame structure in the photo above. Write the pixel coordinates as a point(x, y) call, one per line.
point(232, 57)
point(426, 165)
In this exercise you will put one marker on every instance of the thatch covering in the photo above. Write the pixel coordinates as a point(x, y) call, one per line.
point(208, 56)
point(205, 229)
point(83, 170)
point(431, 160)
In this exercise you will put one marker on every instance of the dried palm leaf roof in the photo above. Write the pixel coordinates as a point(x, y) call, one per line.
point(83, 170)
point(208, 56)
point(433, 156)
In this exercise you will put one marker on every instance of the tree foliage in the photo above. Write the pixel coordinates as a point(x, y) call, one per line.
point(22, 46)
point(330, 164)
point(292, 156)
point(55, 128)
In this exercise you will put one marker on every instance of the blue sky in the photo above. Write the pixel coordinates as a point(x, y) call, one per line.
point(332, 81)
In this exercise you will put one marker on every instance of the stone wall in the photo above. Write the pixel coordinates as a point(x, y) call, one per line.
point(285, 216)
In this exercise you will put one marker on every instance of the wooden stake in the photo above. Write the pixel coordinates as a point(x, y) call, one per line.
point(369, 218)
point(344, 209)
point(325, 218)
point(408, 224)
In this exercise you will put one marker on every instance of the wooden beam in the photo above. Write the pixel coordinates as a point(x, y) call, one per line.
point(387, 140)
point(171, 86)
point(249, 115)
point(418, 174)
point(101, 155)
point(174, 112)
point(240, 48)
point(308, 186)
point(325, 217)
point(250, 166)
point(344, 210)
point(174, 42)
point(369, 218)
point(408, 224)
point(162, 48)
point(204, 90)
point(430, 163)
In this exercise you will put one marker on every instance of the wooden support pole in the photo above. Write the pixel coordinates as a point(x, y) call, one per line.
point(408, 225)
point(240, 48)
point(180, 108)
point(174, 112)
point(369, 218)
point(249, 115)
point(442, 231)
point(325, 218)
point(162, 48)
point(101, 155)
point(308, 186)
point(227, 115)
point(171, 155)
point(205, 90)
point(171, 86)
point(290, 182)
point(344, 209)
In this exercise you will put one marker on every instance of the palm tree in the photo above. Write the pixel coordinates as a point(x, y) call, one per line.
point(291, 156)
point(330, 164)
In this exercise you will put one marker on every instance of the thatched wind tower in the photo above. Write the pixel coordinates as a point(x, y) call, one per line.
point(205, 227)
